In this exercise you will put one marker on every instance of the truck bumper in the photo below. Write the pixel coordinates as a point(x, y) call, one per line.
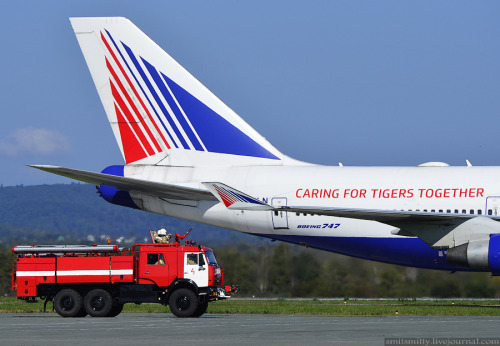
point(218, 293)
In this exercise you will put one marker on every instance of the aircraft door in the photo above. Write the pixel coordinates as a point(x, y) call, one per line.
point(493, 205)
point(280, 218)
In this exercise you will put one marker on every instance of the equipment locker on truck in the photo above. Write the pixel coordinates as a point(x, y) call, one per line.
point(98, 279)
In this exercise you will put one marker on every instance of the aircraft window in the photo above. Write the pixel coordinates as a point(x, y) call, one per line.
point(448, 211)
point(464, 211)
point(275, 213)
point(298, 214)
point(479, 212)
point(472, 211)
point(433, 210)
point(490, 212)
point(425, 210)
point(192, 259)
point(440, 210)
point(456, 211)
point(417, 209)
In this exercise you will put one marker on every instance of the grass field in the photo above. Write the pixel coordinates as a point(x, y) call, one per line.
point(350, 307)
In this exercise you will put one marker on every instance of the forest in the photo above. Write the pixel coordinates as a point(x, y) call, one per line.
point(74, 214)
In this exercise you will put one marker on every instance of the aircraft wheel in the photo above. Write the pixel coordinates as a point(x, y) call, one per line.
point(183, 303)
point(98, 303)
point(68, 303)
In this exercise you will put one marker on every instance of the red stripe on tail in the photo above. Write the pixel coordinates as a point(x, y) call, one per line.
point(134, 108)
point(134, 90)
point(132, 149)
point(128, 118)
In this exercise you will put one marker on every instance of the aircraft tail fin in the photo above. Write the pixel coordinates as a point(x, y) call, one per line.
point(159, 113)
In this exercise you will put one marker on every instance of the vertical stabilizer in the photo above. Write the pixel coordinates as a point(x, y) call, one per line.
point(160, 113)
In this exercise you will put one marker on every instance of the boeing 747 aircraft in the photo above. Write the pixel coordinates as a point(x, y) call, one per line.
point(188, 155)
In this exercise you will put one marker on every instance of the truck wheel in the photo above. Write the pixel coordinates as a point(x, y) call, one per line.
point(82, 312)
point(98, 303)
point(115, 310)
point(202, 308)
point(183, 303)
point(68, 303)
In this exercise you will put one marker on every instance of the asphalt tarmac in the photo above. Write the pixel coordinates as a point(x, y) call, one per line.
point(213, 329)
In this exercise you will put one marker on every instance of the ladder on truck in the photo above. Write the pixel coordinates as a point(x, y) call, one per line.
point(64, 249)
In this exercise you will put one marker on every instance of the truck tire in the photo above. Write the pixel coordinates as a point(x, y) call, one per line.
point(98, 303)
point(82, 312)
point(202, 308)
point(68, 303)
point(183, 303)
point(115, 310)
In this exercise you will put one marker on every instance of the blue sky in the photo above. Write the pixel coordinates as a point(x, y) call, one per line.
point(358, 82)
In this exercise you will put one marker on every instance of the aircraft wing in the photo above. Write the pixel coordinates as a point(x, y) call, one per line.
point(162, 190)
point(385, 216)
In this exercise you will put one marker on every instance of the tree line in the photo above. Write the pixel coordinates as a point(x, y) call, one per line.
point(291, 271)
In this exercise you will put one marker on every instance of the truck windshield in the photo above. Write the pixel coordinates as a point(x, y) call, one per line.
point(211, 258)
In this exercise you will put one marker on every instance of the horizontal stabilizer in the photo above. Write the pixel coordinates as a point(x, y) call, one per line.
point(161, 190)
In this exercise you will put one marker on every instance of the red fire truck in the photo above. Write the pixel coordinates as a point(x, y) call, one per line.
point(98, 279)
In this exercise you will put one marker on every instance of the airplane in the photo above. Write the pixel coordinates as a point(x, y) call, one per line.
point(188, 155)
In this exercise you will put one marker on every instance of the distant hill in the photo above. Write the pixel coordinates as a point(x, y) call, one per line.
point(74, 212)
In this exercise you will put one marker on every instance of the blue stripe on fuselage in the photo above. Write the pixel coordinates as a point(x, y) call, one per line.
point(405, 251)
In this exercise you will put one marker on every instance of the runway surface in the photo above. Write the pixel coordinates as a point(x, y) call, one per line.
point(212, 329)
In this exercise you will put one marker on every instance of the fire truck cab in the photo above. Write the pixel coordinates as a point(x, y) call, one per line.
point(98, 280)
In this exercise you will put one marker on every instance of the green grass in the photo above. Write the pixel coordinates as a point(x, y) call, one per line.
point(413, 307)
point(359, 308)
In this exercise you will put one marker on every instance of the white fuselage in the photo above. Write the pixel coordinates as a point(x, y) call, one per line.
point(430, 189)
